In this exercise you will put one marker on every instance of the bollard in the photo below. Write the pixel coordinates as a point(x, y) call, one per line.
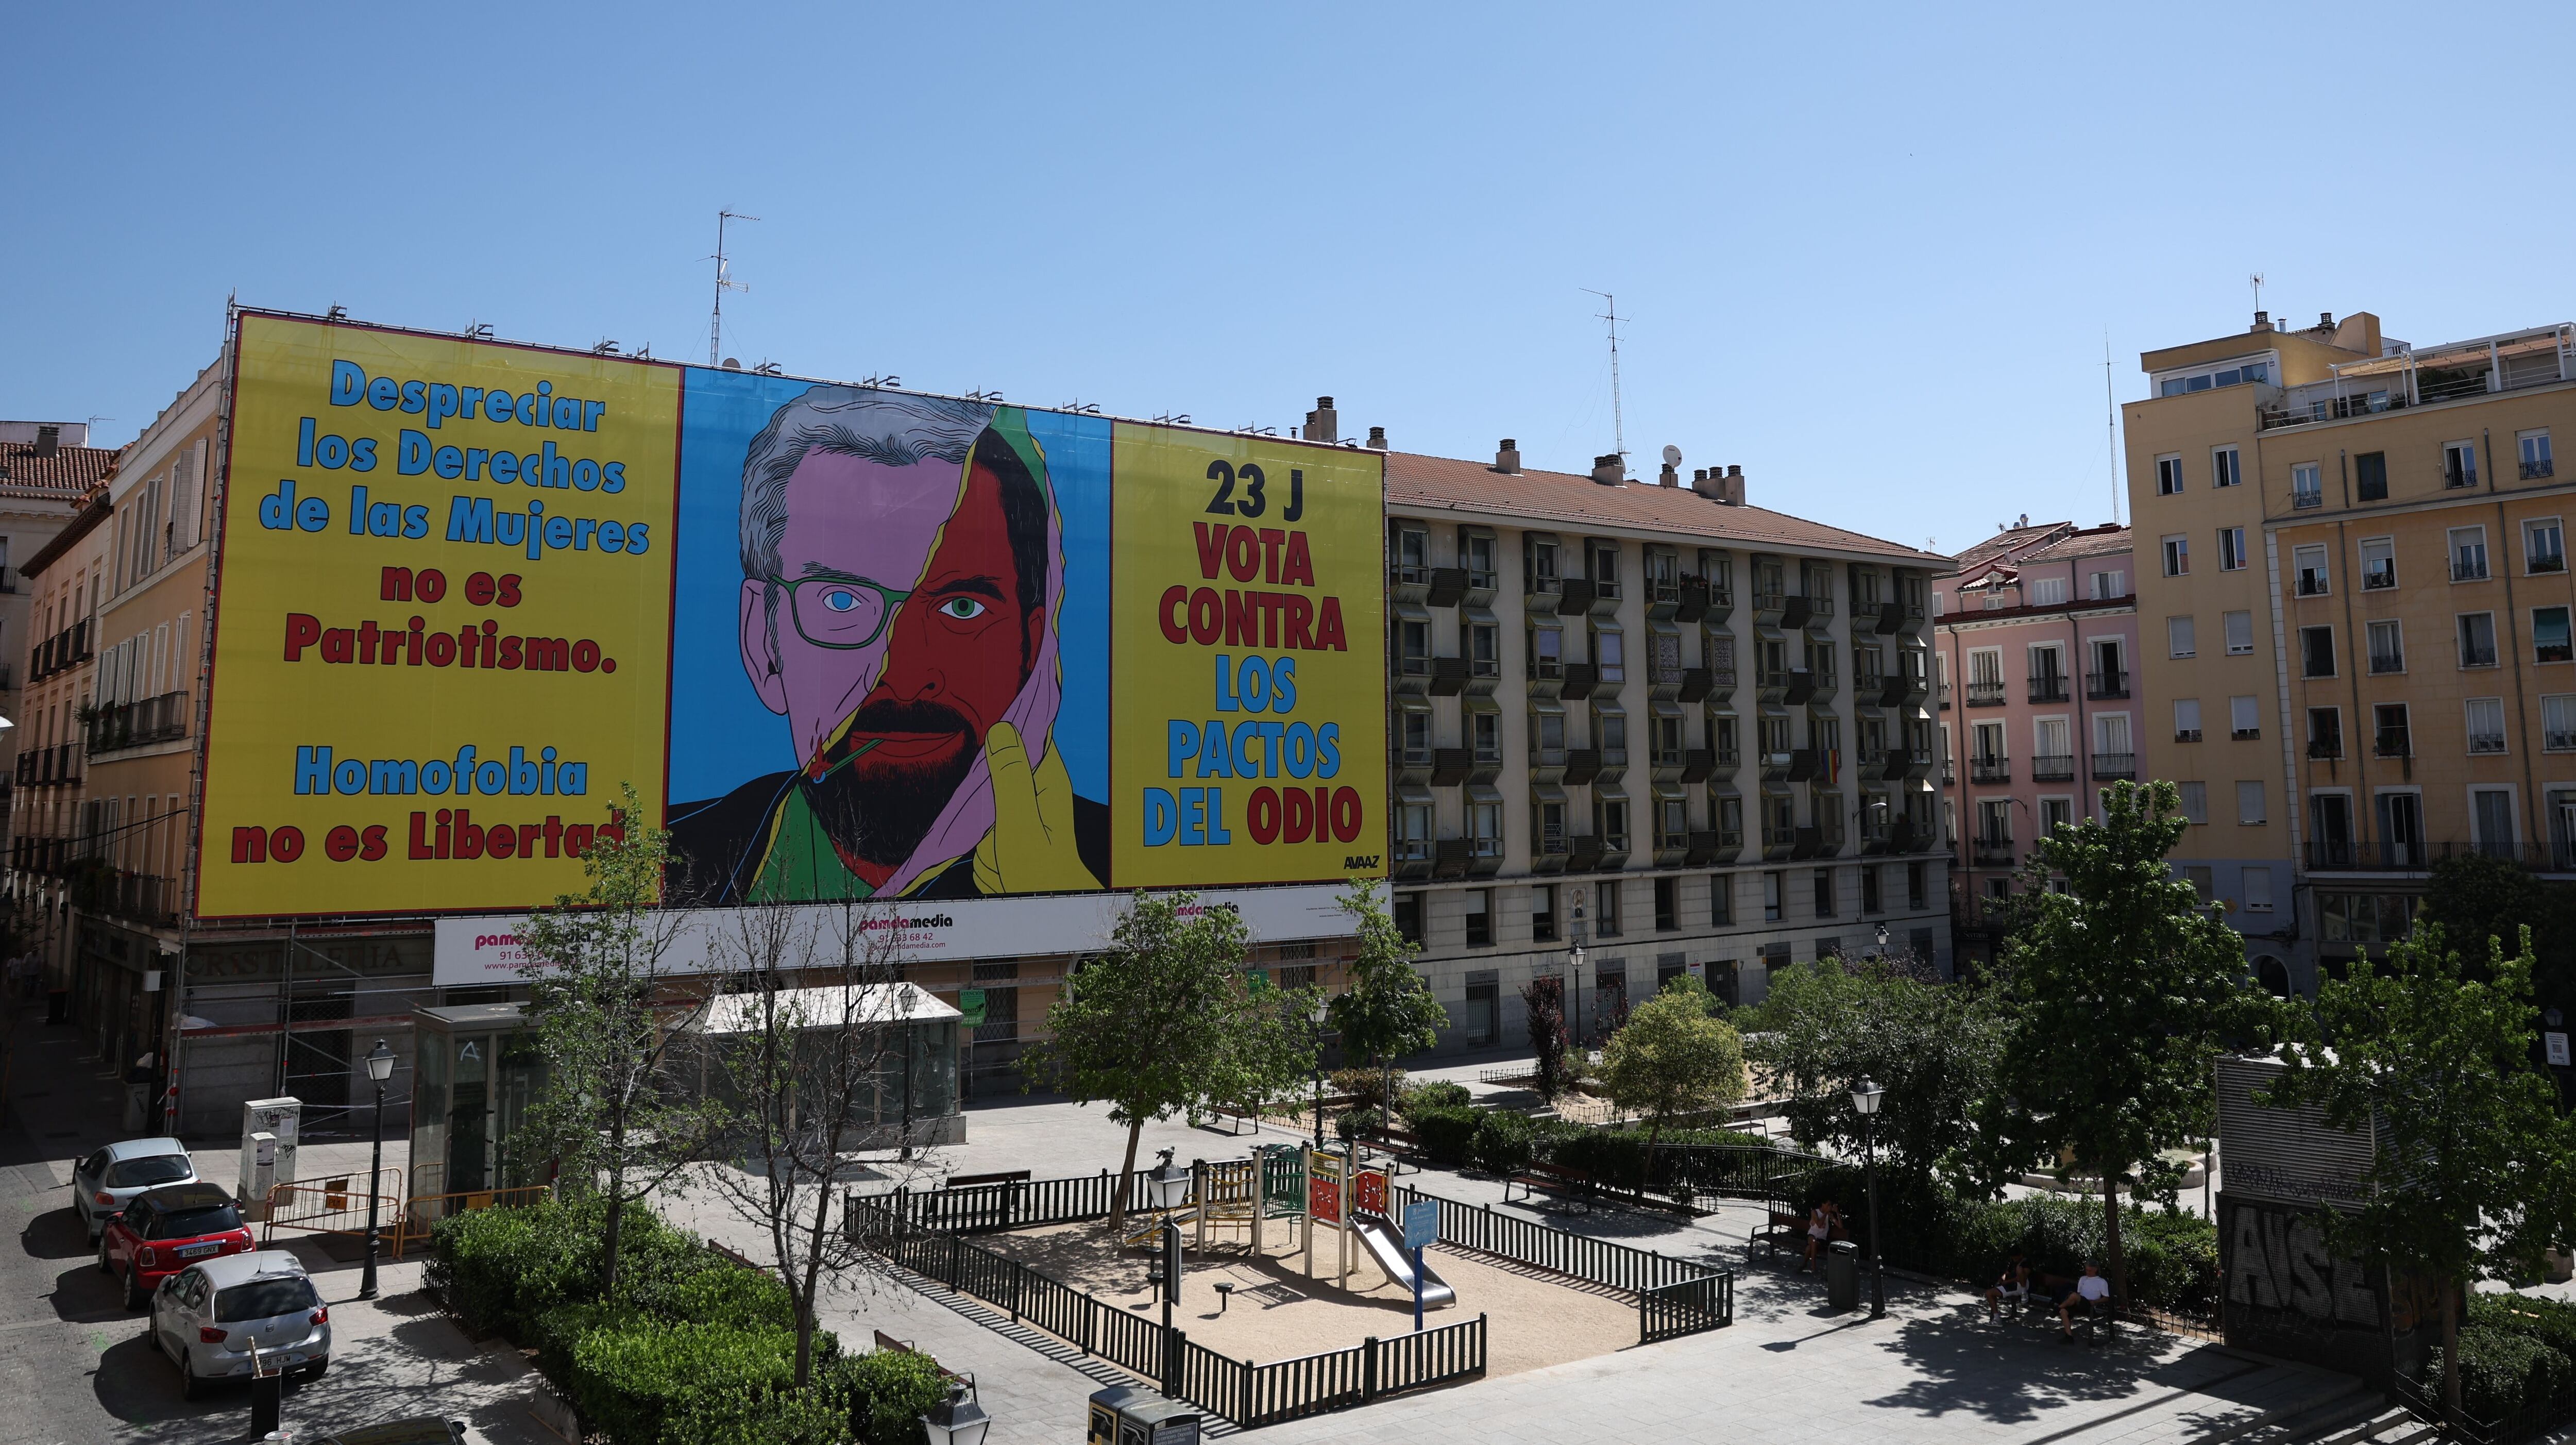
point(265, 1390)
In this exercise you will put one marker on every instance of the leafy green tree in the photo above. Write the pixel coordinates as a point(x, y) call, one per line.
point(1543, 1003)
point(2474, 897)
point(1388, 1011)
point(1672, 1058)
point(2123, 989)
point(1161, 1023)
point(605, 1012)
point(2475, 1170)
point(1936, 1048)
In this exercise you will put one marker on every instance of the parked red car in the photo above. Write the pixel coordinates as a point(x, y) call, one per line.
point(165, 1230)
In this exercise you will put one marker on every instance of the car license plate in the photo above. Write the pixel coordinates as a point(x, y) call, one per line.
point(194, 1250)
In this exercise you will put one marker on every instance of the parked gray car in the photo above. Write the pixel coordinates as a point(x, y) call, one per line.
point(208, 1317)
point(107, 1181)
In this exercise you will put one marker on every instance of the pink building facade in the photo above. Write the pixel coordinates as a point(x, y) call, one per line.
point(2036, 649)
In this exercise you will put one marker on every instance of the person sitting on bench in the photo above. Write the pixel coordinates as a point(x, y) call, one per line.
point(2013, 1284)
point(2092, 1289)
point(1823, 1223)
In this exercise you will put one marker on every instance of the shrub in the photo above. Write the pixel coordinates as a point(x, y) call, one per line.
point(1447, 1135)
point(2501, 1371)
point(1615, 1157)
point(1359, 1123)
point(887, 1393)
point(2552, 1322)
point(1505, 1142)
point(634, 1381)
point(1440, 1094)
point(1369, 1086)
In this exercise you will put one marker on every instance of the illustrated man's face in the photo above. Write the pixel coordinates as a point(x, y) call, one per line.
point(886, 730)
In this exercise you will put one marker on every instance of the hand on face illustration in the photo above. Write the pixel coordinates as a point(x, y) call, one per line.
point(1031, 848)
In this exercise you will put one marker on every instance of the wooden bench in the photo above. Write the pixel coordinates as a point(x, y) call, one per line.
point(1783, 1231)
point(971, 1181)
point(1543, 1175)
point(905, 1347)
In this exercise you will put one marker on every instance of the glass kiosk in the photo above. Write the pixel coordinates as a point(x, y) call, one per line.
point(478, 1069)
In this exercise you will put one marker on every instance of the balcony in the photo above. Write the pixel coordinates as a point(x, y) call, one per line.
point(1698, 764)
point(1696, 684)
point(1449, 857)
point(2302, 501)
point(2115, 767)
point(2544, 562)
point(1891, 618)
point(2534, 471)
point(138, 897)
point(1801, 689)
point(1945, 697)
point(2048, 687)
point(2324, 750)
point(1410, 858)
point(2477, 654)
point(1949, 772)
point(1986, 694)
point(1448, 586)
point(1906, 763)
point(2245, 735)
point(1580, 679)
point(1582, 765)
point(1903, 687)
point(2387, 662)
point(2312, 584)
point(1576, 596)
point(1805, 764)
point(2393, 743)
point(2052, 767)
point(1448, 676)
point(1813, 843)
point(1797, 611)
point(1991, 853)
point(2379, 579)
point(2099, 686)
point(1484, 856)
point(1997, 769)
point(1548, 853)
point(1583, 853)
point(1779, 842)
point(2485, 743)
point(1690, 603)
point(2468, 569)
point(2186, 735)
point(1703, 849)
point(1451, 766)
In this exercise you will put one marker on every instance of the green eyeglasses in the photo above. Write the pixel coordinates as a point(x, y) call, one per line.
point(840, 611)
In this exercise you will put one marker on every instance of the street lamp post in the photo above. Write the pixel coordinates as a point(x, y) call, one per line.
point(380, 1067)
point(957, 1420)
point(1317, 1015)
point(1574, 982)
point(1866, 1097)
point(1882, 943)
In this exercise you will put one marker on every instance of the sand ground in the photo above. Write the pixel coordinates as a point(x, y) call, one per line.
point(1277, 1313)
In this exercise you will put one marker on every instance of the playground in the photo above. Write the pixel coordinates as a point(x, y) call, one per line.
point(1308, 1260)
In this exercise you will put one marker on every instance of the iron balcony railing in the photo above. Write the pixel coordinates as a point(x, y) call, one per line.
point(1996, 769)
point(1986, 694)
point(2115, 767)
point(2106, 684)
point(2052, 767)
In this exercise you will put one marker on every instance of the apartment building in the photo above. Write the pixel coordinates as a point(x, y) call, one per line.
point(1640, 730)
point(2414, 523)
point(2043, 637)
point(64, 579)
point(46, 468)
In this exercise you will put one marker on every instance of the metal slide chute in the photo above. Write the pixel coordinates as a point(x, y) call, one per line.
point(1386, 1246)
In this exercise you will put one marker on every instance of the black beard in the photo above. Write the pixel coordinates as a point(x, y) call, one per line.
point(882, 818)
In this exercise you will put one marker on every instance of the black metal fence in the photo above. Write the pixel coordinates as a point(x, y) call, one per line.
point(892, 1227)
point(1685, 1307)
point(1675, 1310)
point(1011, 1204)
point(2423, 1400)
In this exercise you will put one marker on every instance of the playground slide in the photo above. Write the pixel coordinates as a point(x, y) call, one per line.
point(1386, 1246)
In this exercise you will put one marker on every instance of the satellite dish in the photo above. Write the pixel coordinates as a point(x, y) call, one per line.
point(1672, 455)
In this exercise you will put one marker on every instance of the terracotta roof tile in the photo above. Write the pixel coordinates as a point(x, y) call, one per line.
point(2003, 543)
point(70, 470)
point(2091, 542)
point(1575, 502)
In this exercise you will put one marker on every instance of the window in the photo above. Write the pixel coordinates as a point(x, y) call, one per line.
point(2186, 719)
point(1610, 816)
point(2249, 803)
point(2224, 470)
point(2047, 591)
point(2544, 546)
point(1870, 902)
point(2309, 565)
point(1484, 649)
point(2307, 486)
point(1408, 917)
point(2168, 475)
point(1538, 562)
point(1547, 652)
point(1412, 555)
point(1485, 736)
point(1547, 829)
point(1609, 653)
point(2178, 637)
point(1771, 887)
point(2258, 890)
point(1485, 830)
point(2486, 724)
point(2393, 737)
point(1547, 738)
point(2195, 801)
point(2370, 476)
point(2387, 647)
point(2558, 722)
point(1604, 557)
point(1416, 739)
point(2203, 880)
point(2110, 584)
point(1476, 550)
point(2491, 815)
point(1918, 882)
point(2378, 564)
point(2477, 639)
point(2177, 556)
point(2535, 455)
point(1721, 899)
point(2549, 640)
point(2316, 652)
point(2459, 464)
point(2244, 717)
point(1605, 908)
point(2055, 813)
point(2468, 554)
point(1824, 893)
point(2240, 632)
point(2231, 549)
point(1610, 735)
point(1543, 913)
point(1480, 917)
point(1994, 822)
point(1413, 832)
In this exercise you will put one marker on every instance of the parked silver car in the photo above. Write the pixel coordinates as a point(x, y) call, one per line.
point(107, 1181)
point(208, 1318)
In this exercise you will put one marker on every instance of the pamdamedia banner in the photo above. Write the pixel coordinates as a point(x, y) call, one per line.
point(847, 642)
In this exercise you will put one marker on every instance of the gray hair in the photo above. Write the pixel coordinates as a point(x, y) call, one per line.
point(889, 428)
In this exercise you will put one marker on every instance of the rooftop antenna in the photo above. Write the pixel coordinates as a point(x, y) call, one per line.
point(2257, 279)
point(1618, 423)
point(2111, 424)
point(724, 283)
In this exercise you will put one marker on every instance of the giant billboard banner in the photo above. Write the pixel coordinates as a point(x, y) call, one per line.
point(846, 642)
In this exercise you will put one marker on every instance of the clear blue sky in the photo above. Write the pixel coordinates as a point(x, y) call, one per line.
point(1870, 258)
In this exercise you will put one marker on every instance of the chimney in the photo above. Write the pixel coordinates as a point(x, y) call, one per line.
point(1507, 458)
point(1377, 439)
point(1731, 489)
point(2262, 321)
point(1323, 424)
point(49, 440)
point(2325, 321)
point(2023, 521)
point(1670, 476)
point(1609, 470)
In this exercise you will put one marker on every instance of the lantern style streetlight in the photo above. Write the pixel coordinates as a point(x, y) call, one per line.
point(1866, 1097)
point(957, 1420)
point(380, 1067)
point(1167, 1184)
point(1317, 1015)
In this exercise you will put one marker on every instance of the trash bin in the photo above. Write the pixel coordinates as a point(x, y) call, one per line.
point(1842, 1275)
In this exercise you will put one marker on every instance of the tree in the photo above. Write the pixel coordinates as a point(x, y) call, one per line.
point(1672, 1058)
point(2123, 989)
point(1159, 1024)
point(2473, 1168)
point(603, 1017)
point(1388, 1011)
point(819, 1024)
point(2474, 897)
point(1543, 1001)
point(1935, 1047)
